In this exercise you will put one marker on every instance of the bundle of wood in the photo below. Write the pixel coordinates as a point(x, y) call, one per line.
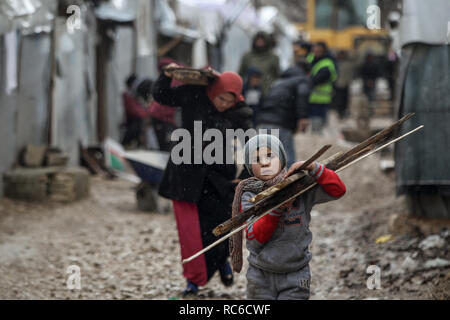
point(300, 183)
point(193, 76)
point(25, 183)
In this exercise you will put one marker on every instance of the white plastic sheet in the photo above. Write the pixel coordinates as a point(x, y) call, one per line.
point(425, 21)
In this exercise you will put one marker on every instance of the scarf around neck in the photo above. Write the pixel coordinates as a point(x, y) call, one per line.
point(254, 185)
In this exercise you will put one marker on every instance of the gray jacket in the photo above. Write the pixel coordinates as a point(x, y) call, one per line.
point(288, 248)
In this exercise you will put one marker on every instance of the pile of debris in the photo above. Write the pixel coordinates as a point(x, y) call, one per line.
point(416, 262)
point(43, 174)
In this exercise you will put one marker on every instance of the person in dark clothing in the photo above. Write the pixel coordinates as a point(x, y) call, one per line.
point(252, 90)
point(262, 57)
point(136, 104)
point(202, 193)
point(369, 75)
point(323, 73)
point(392, 62)
point(286, 108)
point(342, 84)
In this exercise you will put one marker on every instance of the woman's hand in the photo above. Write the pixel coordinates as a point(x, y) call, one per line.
point(170, 66)
point(297, 165)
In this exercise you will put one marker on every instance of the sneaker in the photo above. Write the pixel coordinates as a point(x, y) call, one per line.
point(226, 274)
point(191, 289)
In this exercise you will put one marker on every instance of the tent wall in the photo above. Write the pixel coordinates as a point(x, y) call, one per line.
point(33, 94)
point(74, 95)
point(119, 65)
point(7, 119)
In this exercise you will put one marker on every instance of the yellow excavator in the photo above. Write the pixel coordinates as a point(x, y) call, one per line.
point(350, 25)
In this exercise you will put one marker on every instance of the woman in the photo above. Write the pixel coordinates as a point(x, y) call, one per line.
point(202, 194)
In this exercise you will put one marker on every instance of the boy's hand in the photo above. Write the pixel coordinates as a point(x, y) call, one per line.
point(297, 165)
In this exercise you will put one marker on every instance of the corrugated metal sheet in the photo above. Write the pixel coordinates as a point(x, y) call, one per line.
point(425, 21)
point(33, 93)
point(7, 121)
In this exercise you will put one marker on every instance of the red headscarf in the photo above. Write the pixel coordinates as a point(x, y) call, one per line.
point(227, 82)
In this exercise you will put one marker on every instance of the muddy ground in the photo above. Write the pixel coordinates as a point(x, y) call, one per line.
point(123, 253)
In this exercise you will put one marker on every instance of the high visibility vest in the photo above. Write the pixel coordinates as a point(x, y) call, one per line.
point(322, 93)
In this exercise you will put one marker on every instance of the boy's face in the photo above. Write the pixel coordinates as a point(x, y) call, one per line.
point(265, 164)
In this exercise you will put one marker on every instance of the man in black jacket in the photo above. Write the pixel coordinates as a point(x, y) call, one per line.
point(286, 108)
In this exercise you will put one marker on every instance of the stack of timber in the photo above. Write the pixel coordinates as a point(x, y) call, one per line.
point(43, 175)
point(69, 184)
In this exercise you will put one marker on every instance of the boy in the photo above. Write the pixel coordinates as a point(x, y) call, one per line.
point(278, 242)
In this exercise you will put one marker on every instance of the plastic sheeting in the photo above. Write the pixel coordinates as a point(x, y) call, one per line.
point(117, 10)
point(7, 120)
point(425, 77)
point(30, 16)
point(425, 21)
point(74, 95)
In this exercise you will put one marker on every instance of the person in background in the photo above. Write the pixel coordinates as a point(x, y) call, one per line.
point(286, 108)
point(136, 101)
point(323, 74)
point(342, 84)
point(392, 63)
point(252, 90)
point(369, 75)
point(302, 50)
point(262, 57)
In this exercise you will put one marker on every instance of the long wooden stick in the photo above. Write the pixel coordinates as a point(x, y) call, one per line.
point(283, 184)
point(256, 218)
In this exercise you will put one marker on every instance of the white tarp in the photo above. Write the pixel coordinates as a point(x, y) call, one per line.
point(209, 17)
point(74, 93)
point(11, 47)
point(117, 10)
point(30, 16)
point(425, 21)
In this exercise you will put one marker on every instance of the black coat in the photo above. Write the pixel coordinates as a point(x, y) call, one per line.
point(287, 101)
point(187, 182)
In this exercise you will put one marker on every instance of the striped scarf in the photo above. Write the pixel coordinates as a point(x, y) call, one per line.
point(256, 186)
